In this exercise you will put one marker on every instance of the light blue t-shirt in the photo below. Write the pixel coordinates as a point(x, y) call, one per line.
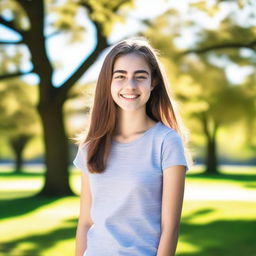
point(126, 197)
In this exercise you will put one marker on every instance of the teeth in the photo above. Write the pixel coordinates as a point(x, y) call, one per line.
point(129, 96)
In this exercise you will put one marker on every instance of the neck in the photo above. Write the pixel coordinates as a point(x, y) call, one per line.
point(131, 122)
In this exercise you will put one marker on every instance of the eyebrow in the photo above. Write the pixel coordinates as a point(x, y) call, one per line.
point(136, 72)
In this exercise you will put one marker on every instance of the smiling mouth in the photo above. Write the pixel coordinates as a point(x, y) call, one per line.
point(129, 97)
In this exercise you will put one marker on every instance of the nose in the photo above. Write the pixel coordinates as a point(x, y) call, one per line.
point(131, 83)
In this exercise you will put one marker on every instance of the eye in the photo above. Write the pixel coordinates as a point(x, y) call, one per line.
point(119, 77)
point(141, 77)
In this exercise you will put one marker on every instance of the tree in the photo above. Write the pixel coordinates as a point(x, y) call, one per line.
point(18, 144)
point(230, 41)
point(19, 121)
point(29, 21)
point(209, 94)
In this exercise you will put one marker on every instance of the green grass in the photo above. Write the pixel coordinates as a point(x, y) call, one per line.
point(46, 227)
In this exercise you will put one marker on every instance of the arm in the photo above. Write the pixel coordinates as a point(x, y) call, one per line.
point(172, 200)
point(85, 220)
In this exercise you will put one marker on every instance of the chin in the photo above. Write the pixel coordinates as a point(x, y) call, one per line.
point(131, 109)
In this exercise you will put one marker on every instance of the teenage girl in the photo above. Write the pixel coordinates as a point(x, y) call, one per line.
point(133, 160)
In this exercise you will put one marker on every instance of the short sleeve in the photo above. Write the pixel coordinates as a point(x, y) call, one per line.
point(173, 151)
point(80, 159)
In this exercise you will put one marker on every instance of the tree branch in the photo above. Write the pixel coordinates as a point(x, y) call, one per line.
point(12, 42)
point(10, 25)
point(100, 46)
point(204, 120)
point(20, 73)
point(250, 45)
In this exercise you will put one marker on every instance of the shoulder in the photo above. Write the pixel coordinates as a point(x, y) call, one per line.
point(167, 133)
point(81, 151)
point(172, 149)
point(169, 139)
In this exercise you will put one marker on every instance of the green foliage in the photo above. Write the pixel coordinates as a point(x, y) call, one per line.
point(200, 83)
point(17, 107)
point(16, 13)
point(105, 13)
point(11, 60)
point(77, 108)
point(64, 18)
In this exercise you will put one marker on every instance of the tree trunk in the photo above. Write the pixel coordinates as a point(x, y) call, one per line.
point(56, 150)
point(18, 162)
point(52, 98)
point(211, 159)
point(210, 128)
point(18, 145)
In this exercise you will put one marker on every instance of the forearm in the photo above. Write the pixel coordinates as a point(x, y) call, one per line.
point(168, 243)
point(81, 239)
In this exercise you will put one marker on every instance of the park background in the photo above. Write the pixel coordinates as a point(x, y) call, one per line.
point(51, 53)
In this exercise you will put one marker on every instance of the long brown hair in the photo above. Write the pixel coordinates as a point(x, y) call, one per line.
point(103, 116)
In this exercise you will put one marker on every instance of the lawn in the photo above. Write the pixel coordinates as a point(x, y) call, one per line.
point(225, 224)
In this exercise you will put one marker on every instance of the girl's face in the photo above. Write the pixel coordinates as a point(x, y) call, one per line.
point(131, 83)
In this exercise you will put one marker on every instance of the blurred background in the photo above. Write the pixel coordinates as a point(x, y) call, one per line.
point(50, 55)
